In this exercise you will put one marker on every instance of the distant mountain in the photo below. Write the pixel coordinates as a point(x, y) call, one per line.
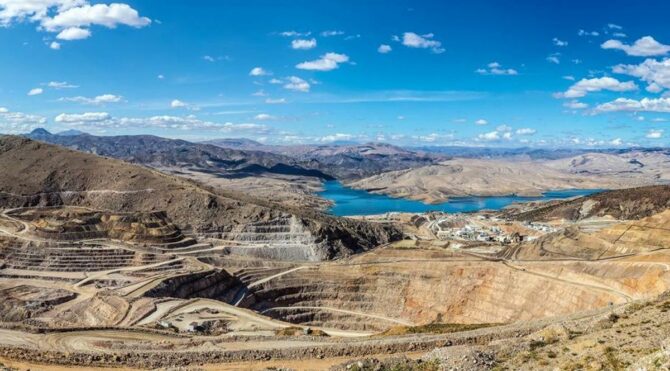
point(156, 151)
point(71, 132)
point(343, 161)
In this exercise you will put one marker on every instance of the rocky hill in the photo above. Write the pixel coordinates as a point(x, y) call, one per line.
point(156, 151)
point(37, 173)
point(632, 203)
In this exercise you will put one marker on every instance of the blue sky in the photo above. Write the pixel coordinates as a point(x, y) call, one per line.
point(485, 73)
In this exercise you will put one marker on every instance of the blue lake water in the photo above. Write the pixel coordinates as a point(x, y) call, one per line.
point(348, 201)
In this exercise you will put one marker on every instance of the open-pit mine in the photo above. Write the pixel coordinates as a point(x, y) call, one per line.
point(95, 274)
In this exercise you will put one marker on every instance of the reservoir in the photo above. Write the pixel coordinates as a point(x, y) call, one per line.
point(348, 201)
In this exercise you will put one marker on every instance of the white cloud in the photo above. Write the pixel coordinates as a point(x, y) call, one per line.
point(18, 122)
point(525, 131)
point(654, 134)
point(588, 33)
point(61, 85)
point(614, 26)
point(275, 101)
point(616, 142)
point(327, 62)
point(259, 93)
point(383, 48)
point(303, 44)
point(584, 86)
point(489, 137)
point(558, 42)
point(413, 40)
point(36, 91)
point(643, 47)
point(653, 72)
point(105, 120)
point(109, 16)
point(575, 104)
point(495, 68)
point(54, 45)
point(643, 105)
point(294, 33)
point(569, 78)
point(70, 19)
point(258, 71)
point(335, 137)
point(74, 33)
point(87, 117)
point(330, 33)
point(176, 103)
point(297, 84)
point(100, 99)
point(481, 122)
point(264, 117)
point(553, 58)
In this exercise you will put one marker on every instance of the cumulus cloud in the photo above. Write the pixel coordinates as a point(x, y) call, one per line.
point(303, 44)
point(553, 58)
point(98, 100)
point(495, 68)
point(69, 19)
point(616, 142)
point(74, 33)
point(103, 120)
point(588, 33)
point(330, 33)
point(327, 62)
point(297, 84)
point(294, 33)
point(258, 71)
point(653, 72)
point(425, 41)
point(559, 42)
point(18, 122)
point(176, 103)
point(575, 104)
point(489, 137)
point(643, 47)
point(525, 131)
point(87, 117)
point(643, 105)
point(36, 91)
point(264, 117)
point(481, 122)
point(61, 85)
point(383, 48)
point(654, 134)
point(275, 100)
point(54, 45)
point(585, 86)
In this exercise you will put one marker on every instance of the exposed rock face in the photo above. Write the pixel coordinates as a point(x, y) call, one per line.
point(24, 302)
point(40, 174)
point(216, 284)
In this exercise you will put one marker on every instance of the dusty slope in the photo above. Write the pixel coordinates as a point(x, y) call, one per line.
point(42, 174)
point(464, 177)
point(632, 203)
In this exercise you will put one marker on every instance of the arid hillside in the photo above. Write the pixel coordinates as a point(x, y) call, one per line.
point(477, 177)
point(631, 203)
point(39, 174)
